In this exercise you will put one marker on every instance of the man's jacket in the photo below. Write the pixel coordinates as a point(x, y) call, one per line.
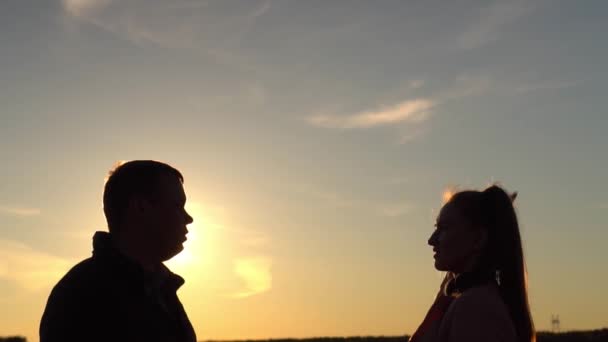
point(110, 298)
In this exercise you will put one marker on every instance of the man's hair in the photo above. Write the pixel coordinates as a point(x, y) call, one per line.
point(137, 177)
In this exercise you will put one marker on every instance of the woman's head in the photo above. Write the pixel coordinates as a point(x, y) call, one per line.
point(477, 232)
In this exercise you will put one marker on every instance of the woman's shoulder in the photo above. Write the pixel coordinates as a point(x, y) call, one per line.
point(487, 295)
point(478, 314)
point(481, 302)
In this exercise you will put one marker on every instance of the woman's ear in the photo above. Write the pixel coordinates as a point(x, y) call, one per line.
point(481, 240)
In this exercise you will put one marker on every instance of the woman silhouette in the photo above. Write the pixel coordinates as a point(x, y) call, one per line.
point(484, 294)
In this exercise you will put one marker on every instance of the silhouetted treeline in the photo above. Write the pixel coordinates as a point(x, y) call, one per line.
point(333, 339)
point(600, 335)
point(13, 339)
point(574, 336)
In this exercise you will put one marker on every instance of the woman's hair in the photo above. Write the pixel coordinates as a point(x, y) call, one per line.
point(492, 210)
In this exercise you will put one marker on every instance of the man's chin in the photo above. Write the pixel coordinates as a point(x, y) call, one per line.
point(175, 251)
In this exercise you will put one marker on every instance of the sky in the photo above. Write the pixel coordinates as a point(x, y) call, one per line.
point(316, 139)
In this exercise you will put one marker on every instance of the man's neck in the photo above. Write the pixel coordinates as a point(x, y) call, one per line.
point(134, 252)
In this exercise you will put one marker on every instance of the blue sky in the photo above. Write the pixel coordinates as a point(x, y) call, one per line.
point(316, 139)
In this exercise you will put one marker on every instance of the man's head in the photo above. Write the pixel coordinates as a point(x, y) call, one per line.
point(143, 201)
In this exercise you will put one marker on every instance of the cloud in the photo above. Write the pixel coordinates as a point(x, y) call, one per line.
point(261, 9)
point(171, 24)
point(414, 111)
point(410, 116)
point(255, 274)
point(214, 29)
point(491, 20)
point(19, 211)
point(28, 268)
point(84, 8)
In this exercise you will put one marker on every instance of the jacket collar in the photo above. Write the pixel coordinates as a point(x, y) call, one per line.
point(104, 248)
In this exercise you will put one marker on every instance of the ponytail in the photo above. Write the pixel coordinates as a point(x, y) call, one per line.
point(492, 210)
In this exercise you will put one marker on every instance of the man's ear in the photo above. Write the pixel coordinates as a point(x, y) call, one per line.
point(139, 204)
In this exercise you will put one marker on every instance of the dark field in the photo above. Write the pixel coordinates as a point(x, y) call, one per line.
point(571, 336)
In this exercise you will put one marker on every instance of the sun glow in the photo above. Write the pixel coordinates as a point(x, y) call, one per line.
point(195, 247)
point(447, 195)
point(188, 255)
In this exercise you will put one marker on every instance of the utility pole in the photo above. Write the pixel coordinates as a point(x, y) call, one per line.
point(555, 323)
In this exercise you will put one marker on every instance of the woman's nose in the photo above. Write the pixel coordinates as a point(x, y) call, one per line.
point(433, 239)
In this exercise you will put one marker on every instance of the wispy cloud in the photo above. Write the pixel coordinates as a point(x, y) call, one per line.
point(408, 111)
point(28, 268)
point(171, 24)
point(84, 8)
point(214, 29)
point(491, 20)
point(255, 272)
point(19, 211)
point(260, 10)
point(411, 116)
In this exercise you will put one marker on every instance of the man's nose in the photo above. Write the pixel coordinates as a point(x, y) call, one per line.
point(189, 218)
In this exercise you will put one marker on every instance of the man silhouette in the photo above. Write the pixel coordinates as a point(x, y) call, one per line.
point(124, 292)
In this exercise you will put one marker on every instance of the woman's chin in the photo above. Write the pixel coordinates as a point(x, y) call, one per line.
point(439, 266)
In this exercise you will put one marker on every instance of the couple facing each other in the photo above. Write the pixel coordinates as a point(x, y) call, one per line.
point(123, 292)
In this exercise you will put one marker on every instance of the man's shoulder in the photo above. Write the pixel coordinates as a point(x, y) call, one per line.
point(76, 290)
point(83, 295)
point(83, 270)
point(89, 273)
